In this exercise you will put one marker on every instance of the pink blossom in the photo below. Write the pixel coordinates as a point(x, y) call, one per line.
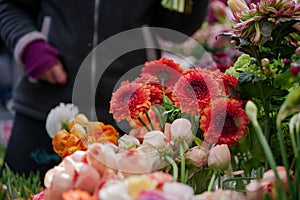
point(39, 196)
point(69, 174)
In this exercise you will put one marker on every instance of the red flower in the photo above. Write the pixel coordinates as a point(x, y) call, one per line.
point(230, 83)
point(224, 122)
point(195, 90)
point(152, 83)
point(166, 70)
point(129, 101)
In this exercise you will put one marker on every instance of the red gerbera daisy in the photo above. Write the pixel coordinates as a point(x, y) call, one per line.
point(230, 82)
point(129, 101)
point(224, 122)
point(166, 70)
point(195, 90)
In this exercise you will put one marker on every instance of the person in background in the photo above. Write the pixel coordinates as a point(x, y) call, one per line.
point(52, 38)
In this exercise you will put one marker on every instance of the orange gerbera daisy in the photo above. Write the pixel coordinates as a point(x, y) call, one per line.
point(166, 70)
point(129, 101)
point(152, 83)
point(224, 122)
point(195, 90)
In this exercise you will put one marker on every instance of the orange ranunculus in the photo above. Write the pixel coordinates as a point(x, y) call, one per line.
point(78, 194)
point(105, 133)
point(65, 143)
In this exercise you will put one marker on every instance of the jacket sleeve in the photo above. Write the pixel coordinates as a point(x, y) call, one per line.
point(181, 22)
point(18, 24)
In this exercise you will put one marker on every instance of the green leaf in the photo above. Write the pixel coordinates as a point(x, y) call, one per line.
point(255, 87)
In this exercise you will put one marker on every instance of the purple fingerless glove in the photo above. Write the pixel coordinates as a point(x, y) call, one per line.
point(39, 56)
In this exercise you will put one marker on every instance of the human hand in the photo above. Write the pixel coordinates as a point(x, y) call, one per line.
point(55, 75)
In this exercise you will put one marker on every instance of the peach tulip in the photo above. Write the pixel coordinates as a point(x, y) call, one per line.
point(219, 157)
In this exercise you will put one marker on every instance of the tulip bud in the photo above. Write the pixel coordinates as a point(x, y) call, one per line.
point(251, 111)
point(128, 142)
point(219, 157)
point(196, 156)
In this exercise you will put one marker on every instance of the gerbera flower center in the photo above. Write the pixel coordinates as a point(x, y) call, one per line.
point(199, 88)
point(227, 125)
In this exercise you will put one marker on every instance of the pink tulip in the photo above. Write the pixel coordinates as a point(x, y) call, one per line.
point(197, 156)
point(154, 139)
point(181, 130)
point(39, 196)
point(219, 157)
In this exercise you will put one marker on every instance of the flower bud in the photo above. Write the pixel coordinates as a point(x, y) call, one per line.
point(197, 156)
point(265, 62)
point(251, 111)
point(297, 51)
point(295, 69)
point(219, 157)
point(128, 142)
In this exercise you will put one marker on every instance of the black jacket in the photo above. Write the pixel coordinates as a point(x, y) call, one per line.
point(75, 27)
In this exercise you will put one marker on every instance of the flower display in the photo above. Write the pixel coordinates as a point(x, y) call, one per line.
point(227, 131)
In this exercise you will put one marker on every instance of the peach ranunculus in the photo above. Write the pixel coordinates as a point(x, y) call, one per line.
point(65, 143)
point(73, 172)
point(135, 160)
point(220, 194)
point(82, 133)
point(257, 188)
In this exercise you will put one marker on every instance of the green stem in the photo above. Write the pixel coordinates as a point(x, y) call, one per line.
point(269, 156)
point(159, 115)
point(284, 157)
point(149, 120)
point(212, 181)
point(174, 167)
point(144, 124)
point(182, 161)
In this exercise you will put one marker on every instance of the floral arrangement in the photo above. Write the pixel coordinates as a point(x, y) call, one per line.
point(197, 133)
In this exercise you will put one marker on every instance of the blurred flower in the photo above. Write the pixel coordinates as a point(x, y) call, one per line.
point(64, 113)
point(221, 194)
point(257, 188)
point(137, 184)
point(224, 122)
point(70, 173)
point(114, 190)
point(151, 195)
point(177, 191)
point(129, 101)
point(166, 70)
point(219, 157)
point(39, 196)
point(77, 194)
